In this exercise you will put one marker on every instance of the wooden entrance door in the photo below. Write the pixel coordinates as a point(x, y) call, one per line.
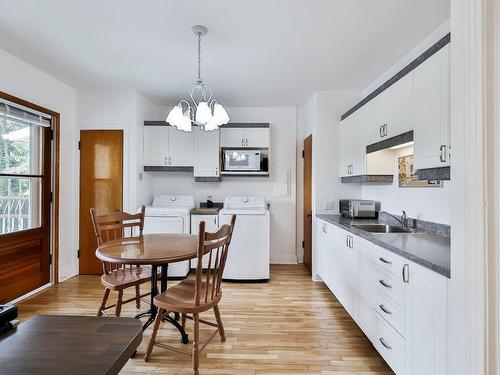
point(101, 187)
point(25, 197)
point(308, 203)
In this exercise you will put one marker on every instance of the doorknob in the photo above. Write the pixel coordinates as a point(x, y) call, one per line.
point(309, 215)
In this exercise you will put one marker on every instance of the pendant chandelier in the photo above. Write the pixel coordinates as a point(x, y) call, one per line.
point(203, 111)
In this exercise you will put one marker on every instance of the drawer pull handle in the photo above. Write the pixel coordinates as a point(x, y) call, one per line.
point(387, 346)
point(385, 260)
point(384, 309)
point(385, 284)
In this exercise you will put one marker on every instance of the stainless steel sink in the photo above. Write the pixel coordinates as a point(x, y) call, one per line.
point(382, 228)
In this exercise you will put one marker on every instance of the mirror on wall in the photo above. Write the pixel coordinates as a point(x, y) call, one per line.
point(407, 176)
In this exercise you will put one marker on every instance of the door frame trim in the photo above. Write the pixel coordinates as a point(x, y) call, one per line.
point(56, 117)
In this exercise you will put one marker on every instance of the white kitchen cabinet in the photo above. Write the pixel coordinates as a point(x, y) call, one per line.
point(155, 145)
point(211, 225)
point(206, 153)
point(432, 112)
point(167, 146)
point(352, 146)
point(427, 322)
point(180, 146)
point(363, 311)
point(391, 112)
point(244, 137)
point(400, 305)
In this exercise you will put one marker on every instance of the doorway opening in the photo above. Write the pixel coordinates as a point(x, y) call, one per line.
point(308, 203)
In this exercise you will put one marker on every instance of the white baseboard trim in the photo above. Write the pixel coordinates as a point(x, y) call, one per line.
point(284, 259)
point(27, 295)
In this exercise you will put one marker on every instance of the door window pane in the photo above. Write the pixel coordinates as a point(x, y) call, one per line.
point(20, 147)
point(19, 203)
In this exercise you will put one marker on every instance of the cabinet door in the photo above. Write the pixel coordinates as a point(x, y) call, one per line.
point(180, 144)
point(432, 111)
point(358, 143)
point(349, 262)
point(257, 137)
point(373, 119)
point(364, 286)
point(211, 225)
point(206, 153)
point(427, 321)
point(232, 137)
point(156, 145)
point(320, 258)
point(345, 157)
point(398, 108)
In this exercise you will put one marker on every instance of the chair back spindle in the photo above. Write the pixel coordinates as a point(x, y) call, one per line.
point(114, 226)
point(215, 246)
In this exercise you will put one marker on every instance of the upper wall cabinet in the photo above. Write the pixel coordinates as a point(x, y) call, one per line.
point(352, 148)
point(165, 146)
point(241, 137)
point(432, 112)
point(206, 153)
point(391, 112)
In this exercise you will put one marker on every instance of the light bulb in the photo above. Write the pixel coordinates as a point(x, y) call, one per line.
point(220, 115)
point(203, 113)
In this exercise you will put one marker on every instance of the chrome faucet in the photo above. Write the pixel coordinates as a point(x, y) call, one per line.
point(403, 220)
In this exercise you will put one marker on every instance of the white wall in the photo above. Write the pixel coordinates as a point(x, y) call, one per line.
point(283, 125)
point(320, 117)
point(24, 81)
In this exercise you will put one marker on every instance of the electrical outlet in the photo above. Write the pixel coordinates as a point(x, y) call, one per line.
point(328, 205)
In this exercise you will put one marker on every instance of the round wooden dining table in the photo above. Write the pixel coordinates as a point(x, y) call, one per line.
point(156, 250)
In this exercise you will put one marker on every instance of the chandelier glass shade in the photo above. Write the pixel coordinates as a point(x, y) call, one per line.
point(203, 110)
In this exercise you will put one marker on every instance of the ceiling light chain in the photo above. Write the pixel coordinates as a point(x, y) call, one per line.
point(205, 112)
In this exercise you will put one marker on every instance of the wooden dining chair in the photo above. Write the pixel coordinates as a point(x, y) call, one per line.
point(118, 277)
point(199, 295)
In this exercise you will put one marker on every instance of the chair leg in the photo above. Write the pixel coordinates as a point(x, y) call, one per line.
point(152, 340)
point(138, 296)
point(119, 303)
point(103, 303)
point(219, 323)
point(196, 342)
point(183, 321)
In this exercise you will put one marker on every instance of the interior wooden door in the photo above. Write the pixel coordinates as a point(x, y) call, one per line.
point(25, 200)
point(308, 203)
point(101, 187)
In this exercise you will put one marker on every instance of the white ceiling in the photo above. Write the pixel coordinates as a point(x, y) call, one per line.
point(257, 52)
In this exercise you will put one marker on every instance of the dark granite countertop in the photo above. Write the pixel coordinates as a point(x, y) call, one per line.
point(427, 249)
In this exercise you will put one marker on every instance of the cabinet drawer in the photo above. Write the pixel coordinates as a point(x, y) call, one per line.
point(390, 286)
point(389, 261)
point(390, 345)
point(392, 313)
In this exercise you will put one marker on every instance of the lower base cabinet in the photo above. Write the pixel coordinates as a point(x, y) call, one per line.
point(399, 305)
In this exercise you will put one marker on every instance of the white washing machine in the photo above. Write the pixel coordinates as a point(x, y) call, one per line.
point(170, 214)
point(249, 252)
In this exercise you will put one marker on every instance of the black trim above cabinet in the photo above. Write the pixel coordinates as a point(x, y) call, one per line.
point(246, 125)
point(440, 173)
point(403, 72)
point(161, 168)
point(208, 179)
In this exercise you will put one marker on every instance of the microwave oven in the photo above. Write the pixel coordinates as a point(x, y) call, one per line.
point(245, 160)
point(355, 208)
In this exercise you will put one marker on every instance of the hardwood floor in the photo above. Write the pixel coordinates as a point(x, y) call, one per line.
point(287, 326)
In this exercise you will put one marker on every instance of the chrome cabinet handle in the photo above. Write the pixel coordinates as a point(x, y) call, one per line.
point(384, 309)
point(352, 242)
point(385, 284)
point(385, 260)
point(380, 131)
point(246, 141)
point(324, 228)
point(442, 153)
point(385, 130)
point(406, 273)
point(347, 241)
point(387, 346)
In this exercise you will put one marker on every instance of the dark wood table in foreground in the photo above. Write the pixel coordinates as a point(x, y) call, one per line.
point(49, 344)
